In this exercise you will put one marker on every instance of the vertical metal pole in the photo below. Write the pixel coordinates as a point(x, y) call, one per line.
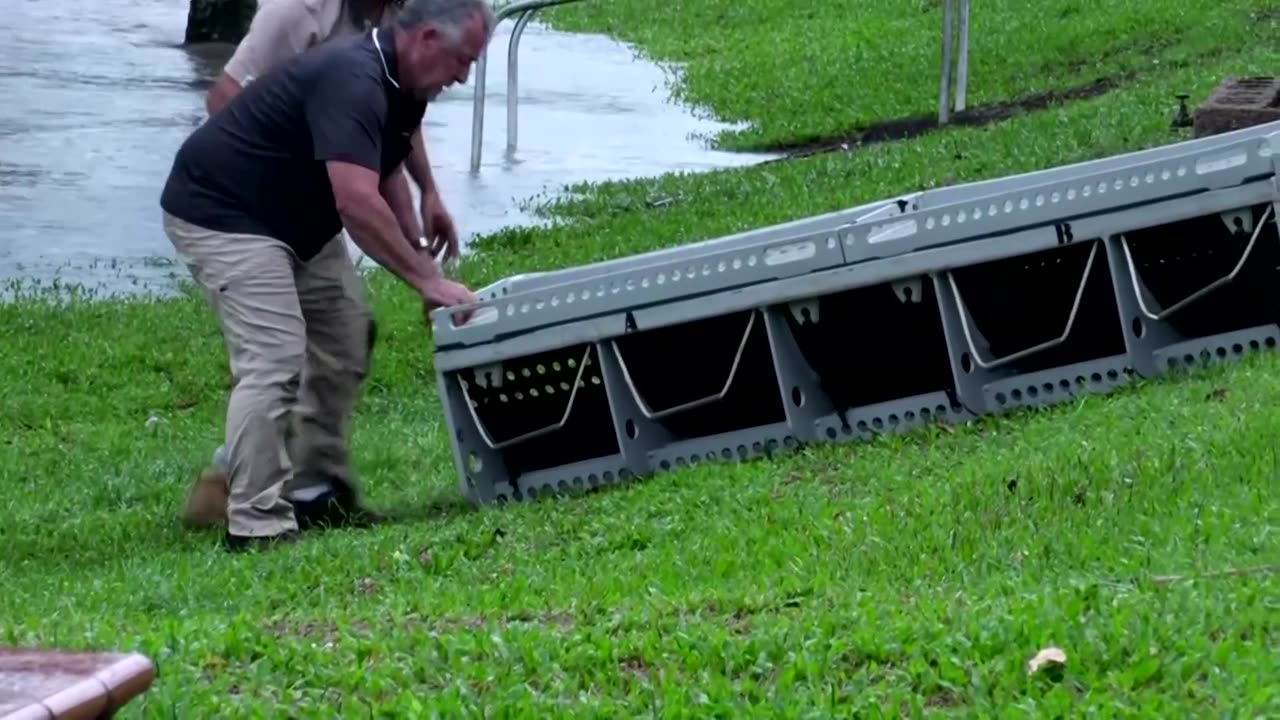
point(962, 57)
point(944, 83)
point(513, 69)
point(528, 8)
point(477, 111)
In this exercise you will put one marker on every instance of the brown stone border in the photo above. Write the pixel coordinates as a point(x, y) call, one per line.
point(1239, 103)
point(38, 684)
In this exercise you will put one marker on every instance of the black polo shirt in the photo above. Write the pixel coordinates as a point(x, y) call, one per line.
point(258, 166)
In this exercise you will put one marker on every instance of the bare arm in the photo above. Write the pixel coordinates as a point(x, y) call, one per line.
point(372, 224)
point(440, 231)
point(221, 93)
point(395, 190)
point(280, 30)
point(417, 164)
point(346, 115)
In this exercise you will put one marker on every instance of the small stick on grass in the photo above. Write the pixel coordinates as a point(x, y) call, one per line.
point(1233, 572)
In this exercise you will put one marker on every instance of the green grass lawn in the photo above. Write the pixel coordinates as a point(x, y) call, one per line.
point(798, 71)
point(907, 576)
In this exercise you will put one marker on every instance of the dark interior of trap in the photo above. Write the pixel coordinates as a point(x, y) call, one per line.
point(534, 393)
point(880, 343)
point(875, 344)
point(679, 364)
point(1020, 302)
point(1175, 260)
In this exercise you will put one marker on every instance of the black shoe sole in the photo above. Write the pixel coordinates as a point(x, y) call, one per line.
point(247, 543)
point(334, 510)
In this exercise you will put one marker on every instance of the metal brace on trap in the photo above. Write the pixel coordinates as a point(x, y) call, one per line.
point(488, 376)
point(1238, 220)
point(909, 290)
point(804, 311)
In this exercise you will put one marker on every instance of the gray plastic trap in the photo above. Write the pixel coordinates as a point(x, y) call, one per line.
point(935, 306)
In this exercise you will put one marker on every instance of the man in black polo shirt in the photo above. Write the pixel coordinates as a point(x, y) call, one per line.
point(255, 205)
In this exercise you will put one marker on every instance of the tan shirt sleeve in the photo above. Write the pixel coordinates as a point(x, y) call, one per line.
point(280, 30)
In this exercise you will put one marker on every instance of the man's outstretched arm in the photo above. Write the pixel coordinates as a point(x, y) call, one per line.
point(418, 165)
point(436, 221)
point(395, 190)
point(373, 226)
point(346, 114)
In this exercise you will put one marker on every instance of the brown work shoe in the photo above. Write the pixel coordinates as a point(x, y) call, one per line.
point(207, 500)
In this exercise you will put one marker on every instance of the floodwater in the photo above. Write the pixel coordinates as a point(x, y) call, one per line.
point(99, 94)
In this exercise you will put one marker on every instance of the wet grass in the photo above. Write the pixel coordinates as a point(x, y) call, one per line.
point(604, 220)
point(805, 73)
point(906, 576)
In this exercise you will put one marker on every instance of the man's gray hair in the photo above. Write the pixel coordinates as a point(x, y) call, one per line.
point(449, 15)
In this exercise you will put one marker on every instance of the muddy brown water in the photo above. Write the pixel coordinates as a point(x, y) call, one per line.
point(99, 94)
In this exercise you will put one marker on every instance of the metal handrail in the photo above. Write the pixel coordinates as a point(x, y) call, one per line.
point(962, 60)
point(526, 9)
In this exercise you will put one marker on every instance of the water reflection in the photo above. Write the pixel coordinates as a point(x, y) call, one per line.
point(93, 119)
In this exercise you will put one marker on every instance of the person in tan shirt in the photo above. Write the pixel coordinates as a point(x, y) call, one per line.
point(280, 31)
point(284, 29)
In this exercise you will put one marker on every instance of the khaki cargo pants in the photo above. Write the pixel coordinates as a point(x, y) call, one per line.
point(297, 339)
